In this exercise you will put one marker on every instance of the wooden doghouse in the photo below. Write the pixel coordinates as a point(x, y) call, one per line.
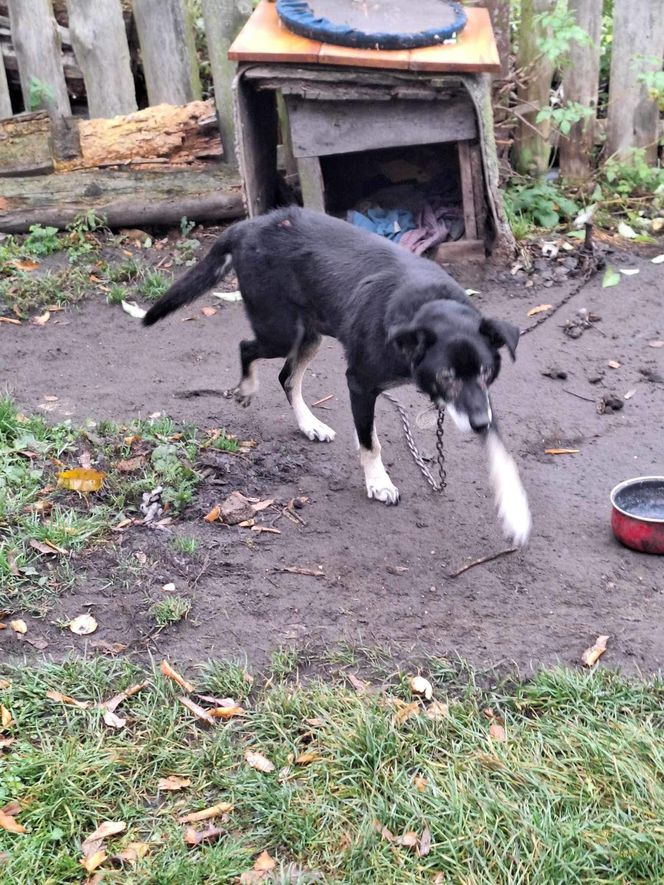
point(343, 114)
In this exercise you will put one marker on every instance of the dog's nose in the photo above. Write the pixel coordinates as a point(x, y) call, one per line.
point(479, 421)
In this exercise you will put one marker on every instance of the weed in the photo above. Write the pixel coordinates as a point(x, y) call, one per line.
point(170, 609)
point(633, 176)
point(185, 252)
point(40, 94)
point(283, 662)
point(153, 285)
point(185, 544)
point(541, 204)
point(116, 294)
point(225, 443)
point(126, 272)
point(42, 240)
point(186, 226)
point(25, 294)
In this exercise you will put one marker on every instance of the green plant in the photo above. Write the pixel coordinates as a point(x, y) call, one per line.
point(40, 94)
point(226, 443)
point(560, 31)
point(185, 544)
point(541, 204)
point(633, 175)
point(185, 252)
point(153, 285)
point(563, 117)
point(170, 610)
point(42, 240)
point(186, 226)
point(116, 294)
point(654, 81)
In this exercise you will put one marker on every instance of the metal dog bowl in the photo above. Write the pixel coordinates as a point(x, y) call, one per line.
point(637, 516)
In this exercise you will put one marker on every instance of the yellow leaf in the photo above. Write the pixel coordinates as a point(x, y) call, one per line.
point(307, 758)
point(497, 732)
point(213, 515)
point(226, 712)
point(42, 319)
point(83, 625)
point(6, 719)
point(206, 813)
point(9, 823)
point(539, 309)
point(65, 699)
point(170, 673)
point(258, 761)
point(94, 860)
point(420, 685)
point(264, 863)
point(173, 782)
point(81, 479)
point(18, 626)
point(405, 712)
point(594, 653)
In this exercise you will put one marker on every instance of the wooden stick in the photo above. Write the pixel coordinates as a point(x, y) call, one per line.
point(319, 402)
point(482, 560)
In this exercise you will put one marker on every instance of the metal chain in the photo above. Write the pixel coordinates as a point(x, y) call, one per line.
point(438, 485)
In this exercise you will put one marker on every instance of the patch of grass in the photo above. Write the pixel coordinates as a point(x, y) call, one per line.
point(170, 609)
point(116, 294)
point(225, 442)
point(153, 285)
point(574, 794)
point(126, 272)
point(283, 662)
point(185, 544)
point(26, 293)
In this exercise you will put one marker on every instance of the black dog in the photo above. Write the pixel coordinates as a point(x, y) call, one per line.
point(400, 318)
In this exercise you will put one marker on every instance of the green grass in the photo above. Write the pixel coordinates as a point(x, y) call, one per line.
point(25, 293)
point(34, 509)
point(170, 610)
point(575, 793)
point(153, 285)
point(185, 544)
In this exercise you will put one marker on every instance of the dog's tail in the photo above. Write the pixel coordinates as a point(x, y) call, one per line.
point(202, 277)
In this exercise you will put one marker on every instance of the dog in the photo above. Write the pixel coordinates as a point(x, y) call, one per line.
point(399, 317)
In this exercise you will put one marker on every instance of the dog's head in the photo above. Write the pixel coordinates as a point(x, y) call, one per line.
point(454, 356)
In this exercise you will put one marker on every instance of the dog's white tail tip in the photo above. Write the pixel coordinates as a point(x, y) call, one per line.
point(510, 495)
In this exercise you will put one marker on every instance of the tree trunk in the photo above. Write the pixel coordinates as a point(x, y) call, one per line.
point(638, 45)
point(168, 51)
point(532, 149)
point(581, 84)
point(37, 43)
point(500, 20)
point(100, 42)
point(223, 20)
point(5, 101)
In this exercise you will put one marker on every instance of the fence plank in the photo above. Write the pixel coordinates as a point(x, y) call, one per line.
point(581, 84)
point(223, 21)
point(100, 42)
point(37, 44)
point(168, 51)
point(638, 45)
point(5, 101)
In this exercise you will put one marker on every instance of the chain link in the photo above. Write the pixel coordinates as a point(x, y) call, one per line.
point(438, 485)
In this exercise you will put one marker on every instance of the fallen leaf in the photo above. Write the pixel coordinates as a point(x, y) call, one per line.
point(213, 515)
point(19, 626)
point(360, 686)
point(92, 847)
point(109, 648)
point(628, 271)
point(265, 529)
point(420, 685)
point(307, 758)
point(264, 863)
point(4, 684)
point(258, 761)
point(421, 783)
point(195, 837)
point(24, 264)
point(65, 699)
point(247, 523)
point(613, 364)
point(630, 394)
point(48, 548)
point(9, 823)
point(170, 673)
point(6, 719)
point(497, 732)
point(132, 853)
point(408, 840)
point(593, 654)
point(113, 720)
point(656, 343)
point(624, 230)
point(561, 451)
point(10, 321)
point(42, 319)
point(12, 807)
point(103, 831)
point(173, 783)
point(92, 861)
point(131, 464)
point(406, 711)
point(437, 710)
point(83, 625)
point(658, 259)
point(170, 588)
point(206, 813)
point(198, 712)
point(133, 309)
point(425, 843)
point(209, 311)
point(611, 277)
point(81, 479)
point(36, 642)
point(539, 309)
point(384, 832)
point(109, 706)
point(51, 399)
point(227, 712)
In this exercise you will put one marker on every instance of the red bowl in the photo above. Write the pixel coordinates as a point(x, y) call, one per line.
point(637, 516)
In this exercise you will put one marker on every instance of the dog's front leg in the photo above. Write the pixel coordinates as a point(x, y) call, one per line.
point(363, 403)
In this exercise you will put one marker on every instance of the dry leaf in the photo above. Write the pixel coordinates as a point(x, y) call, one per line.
point(613, 364)
point(18, 626)
point(131, 464)
point(109, 707)
point(539, 309)
point(103, 831)
point(497, 732)
point(81, 479)
point(227, 712)
point(195, 837)
point(10, 321)
point(406, 711)
point(9, 823)
point(51, 399)
point(133, 309)
point(113, 720)
point(4, 683)
point(198, 712)
point(83, 625)
point(213, 515)
point(12, 807)
point(265, 530)
point(132, 853)
point(6, 719)
point(173, 782)
point(109, 648)
point(437, 710)
point(561, 451)
point(408, 840)
point(206, 813)
point(264, 863)
point(65, 699)
point(307, 758)
point(420, 685)
point(425, 843)
point(170, 673)
point(92, 861)
point(420, 782)
point(359, 685)
point(209, 311)
point(258, 761)
point(42, 319)
point(593, 654)
point(46, 547)
point(23, 264)
point(656, 343)
point(384, 832)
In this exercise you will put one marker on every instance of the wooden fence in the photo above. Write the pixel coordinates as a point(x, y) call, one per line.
point(122, 54)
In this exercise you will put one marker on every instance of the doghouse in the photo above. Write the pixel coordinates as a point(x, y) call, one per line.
point(363, 125)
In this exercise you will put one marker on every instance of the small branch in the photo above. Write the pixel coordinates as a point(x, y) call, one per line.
point(482, 560)
point(588, 399)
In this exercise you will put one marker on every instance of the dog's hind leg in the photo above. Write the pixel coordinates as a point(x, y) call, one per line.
point(363, 405)
point(291, 380)
point(250, 352)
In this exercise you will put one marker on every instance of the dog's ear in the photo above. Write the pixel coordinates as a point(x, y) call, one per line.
point(411, 341)
point(499, 334)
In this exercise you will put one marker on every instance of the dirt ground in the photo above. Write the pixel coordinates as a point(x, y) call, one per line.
point(385, 570)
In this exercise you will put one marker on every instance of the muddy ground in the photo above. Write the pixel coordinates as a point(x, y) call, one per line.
point(385, 569)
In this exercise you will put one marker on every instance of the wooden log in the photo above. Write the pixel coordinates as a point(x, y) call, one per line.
point(26, 145)
point(37, 44)
point(168, 51)
point(177, 135)
point(5, 100)
point(633, 115)
point(532, 149)
point(581, 84)
point(311, 183)
point(125, 199)
point(223, 21)
point(100, 41)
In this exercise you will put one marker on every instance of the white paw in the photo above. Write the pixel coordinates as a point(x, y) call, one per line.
point(511, 499)
point(315, 430)
point(387, 493)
